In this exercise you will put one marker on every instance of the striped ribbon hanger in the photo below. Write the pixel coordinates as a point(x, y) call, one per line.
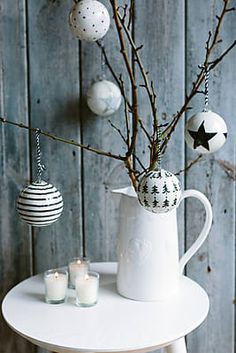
point(206, 91)
point(40, 166)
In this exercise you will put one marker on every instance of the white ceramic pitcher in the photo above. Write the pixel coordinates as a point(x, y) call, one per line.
point(148, 258)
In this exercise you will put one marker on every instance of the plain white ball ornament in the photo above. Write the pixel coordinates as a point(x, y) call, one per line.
point(40, 204)
point(89, 20)
point(104, 98)
point(159, 191)
point(205, 132)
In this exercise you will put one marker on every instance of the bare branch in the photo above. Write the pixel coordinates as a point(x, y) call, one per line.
point(211, 43)
point(229, 168)
point(189, 166)
point(60, 139)
point(212, 64)
point(118, 130)
point(134, 93)
point(114, 74)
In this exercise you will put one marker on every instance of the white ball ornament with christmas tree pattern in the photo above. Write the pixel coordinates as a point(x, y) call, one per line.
point(159, 191)
point(205, 132)
point(89, 20)
point(104, 98)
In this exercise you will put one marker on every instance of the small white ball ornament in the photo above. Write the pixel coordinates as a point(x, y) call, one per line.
point(104, 98)
point(159, 191)
point(89, 20)
point(40, 204)
point(205, 132)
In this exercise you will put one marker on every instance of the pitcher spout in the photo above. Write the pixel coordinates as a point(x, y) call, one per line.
point(127, 191)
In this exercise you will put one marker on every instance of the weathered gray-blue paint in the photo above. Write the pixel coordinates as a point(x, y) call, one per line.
point(44, 77)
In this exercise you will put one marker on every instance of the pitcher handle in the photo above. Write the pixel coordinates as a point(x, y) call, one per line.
point(205, 230)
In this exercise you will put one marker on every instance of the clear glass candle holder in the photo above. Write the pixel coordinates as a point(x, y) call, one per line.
point(87, 289)
point(78, 266)
point(56, 284)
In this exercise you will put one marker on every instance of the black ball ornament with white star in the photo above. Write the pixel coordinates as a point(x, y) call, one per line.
point(205, 132)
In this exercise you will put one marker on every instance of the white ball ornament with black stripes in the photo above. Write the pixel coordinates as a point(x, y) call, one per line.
point(89, 20)
point(159, 191)
point(40, 204)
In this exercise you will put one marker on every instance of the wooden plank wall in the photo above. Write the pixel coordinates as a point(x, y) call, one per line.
point(44, 76)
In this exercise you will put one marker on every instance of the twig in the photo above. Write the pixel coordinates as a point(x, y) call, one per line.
point(213, 63)
point(145, 130)
point(127, 122)
point(140, 163)
point(196, 160)
point(118, 130)
point(149, 87)
point(134, 93)
point(131, 13)
point(211, 42)
point(114, 74)
point(60, 139)
point(229, 168)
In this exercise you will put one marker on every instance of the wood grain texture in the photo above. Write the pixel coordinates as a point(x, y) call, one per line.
point(15, 237)
point(54, 106)
point(214, 265)
point(160, 27)
point(101, 174)
point(54, 82)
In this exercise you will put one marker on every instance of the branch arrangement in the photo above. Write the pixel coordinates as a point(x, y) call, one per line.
point(123, 18)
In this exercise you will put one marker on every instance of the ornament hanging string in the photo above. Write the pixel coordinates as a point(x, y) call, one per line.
point(206, 91)
point(40, 166)
point(158, 146)
point(103, 60)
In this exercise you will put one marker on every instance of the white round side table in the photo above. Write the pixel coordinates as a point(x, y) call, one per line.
point(115, 324)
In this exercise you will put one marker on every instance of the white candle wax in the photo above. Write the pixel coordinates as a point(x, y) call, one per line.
point(55, 286)
point(77, 268)
point(87, 289)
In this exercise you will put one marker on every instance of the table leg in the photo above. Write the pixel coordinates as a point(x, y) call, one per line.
point(178, 346)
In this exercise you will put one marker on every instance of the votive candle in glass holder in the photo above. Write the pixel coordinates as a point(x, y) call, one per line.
point(78, 266)
point(87, 289)
point(56, 283)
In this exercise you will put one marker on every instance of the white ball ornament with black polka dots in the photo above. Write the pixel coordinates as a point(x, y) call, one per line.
point(159, 191)
point(205, 132)
point(104, 98)
point(89, 20)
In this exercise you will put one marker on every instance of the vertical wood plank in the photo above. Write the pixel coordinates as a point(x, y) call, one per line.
point(214, 266)
point(54, 106)
point(101, 174)
point(159, 25)
point(15, 237)
point(54, 103)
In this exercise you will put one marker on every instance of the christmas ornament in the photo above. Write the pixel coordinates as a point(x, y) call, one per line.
point(40, 203)
point(206, 132)
point(89, 20)
point(104, 98)
point(159, 190)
